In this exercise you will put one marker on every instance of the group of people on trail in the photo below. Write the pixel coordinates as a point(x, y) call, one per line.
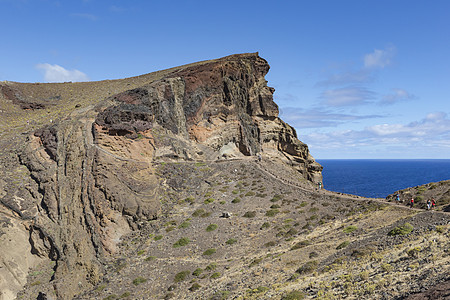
point(431, 204)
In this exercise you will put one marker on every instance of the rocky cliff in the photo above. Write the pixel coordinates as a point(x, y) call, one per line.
point(79, 159)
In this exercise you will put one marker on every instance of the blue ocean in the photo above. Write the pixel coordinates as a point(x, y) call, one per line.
point(377, 178)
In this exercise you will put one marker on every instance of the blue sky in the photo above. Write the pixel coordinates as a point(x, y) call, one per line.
point(356, 78)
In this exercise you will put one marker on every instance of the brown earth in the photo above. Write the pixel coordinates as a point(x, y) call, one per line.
point(151, 188)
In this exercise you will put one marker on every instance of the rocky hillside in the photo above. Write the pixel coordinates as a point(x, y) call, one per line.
point(439, 191)
point(185, 184)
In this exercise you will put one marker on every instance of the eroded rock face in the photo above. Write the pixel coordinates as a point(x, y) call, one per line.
point(216, 110)
point(91, 176)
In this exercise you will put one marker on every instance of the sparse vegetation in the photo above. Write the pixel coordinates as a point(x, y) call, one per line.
point(250, 214)
point(139, 280)
point(231, 241)
point(209, 251)
point(350, 229)
point(211, 227)
point(401, 230)
point(181, 242)
point(307, 268)
point(180, 276)
point(342, 245)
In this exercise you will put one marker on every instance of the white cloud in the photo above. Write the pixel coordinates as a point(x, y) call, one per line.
point(379, 58)
point(396, 96)
point(432, 132)
point(56, 73)
point(85, 16)
point(347, 96)
point(319, 118)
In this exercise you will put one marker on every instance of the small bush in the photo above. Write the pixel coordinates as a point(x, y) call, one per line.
point(231, 241)
point(140, 252)
point(249, 194)
point(198, 212)
point(139, 280)
point(189, 200)
point(313, 209)
point(440, 229)
point(309, 267)
point(211, 227)
point(185, 224)
point(215, 275)
point(272, 212)
point(158, 237)
point(342, 245)
point(181, 242)
point(270, 244)
point(313, 254)
point(250, 214)
point(236, 200)
point(181, 276)
point(401, 230)
point(414, 252)
point(197, 272)
point(275, 206)
point(150, 258)
point(350, 229)
point(294, 295)
point(211, 267)
point(209, 200)
point(265, 225)
point(276, 198)
point(301, 245)
point(195, 286)
point(209, 251)
point(386, 267)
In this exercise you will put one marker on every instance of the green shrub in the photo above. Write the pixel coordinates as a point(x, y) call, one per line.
point(181, 276)
point(198, 212)
point(139, 280)
point(211, 227)
point(350, 229)
point(197, 272)
point(275, 206)
point(158, 237)
point(401, 230)
point(386, 267)
point(235, 192)
point(270, 244)
point(294, 295)
point(276, 198)
point(181, 242)
point(342, 245)
point(272, 212)
point(265, 225)
point(211, 267)
point(111, 297)
point(313, 209)
point(209, 251)
point(250, 214)
point(215, 275)
point(309, 267)
point(140, 252)
point(249, 194)
point(231, 241)
point(236, 200)
point(209, 200)
point(255, 262)
point(185, 224)
point(189, 200)
point(195, 286)
point(301, 245)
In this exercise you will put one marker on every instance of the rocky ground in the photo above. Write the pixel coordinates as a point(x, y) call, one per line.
point(230, 230)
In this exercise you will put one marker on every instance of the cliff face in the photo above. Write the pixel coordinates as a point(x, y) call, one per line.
point(88, 176)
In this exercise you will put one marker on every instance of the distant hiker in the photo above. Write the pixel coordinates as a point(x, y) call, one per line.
point(411, 203)
point(433, 203)
point(320, 185)
point(398, 197)
point(428, 204)
point(259, 157)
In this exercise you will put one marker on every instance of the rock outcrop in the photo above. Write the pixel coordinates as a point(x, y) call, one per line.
point(86, 175)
